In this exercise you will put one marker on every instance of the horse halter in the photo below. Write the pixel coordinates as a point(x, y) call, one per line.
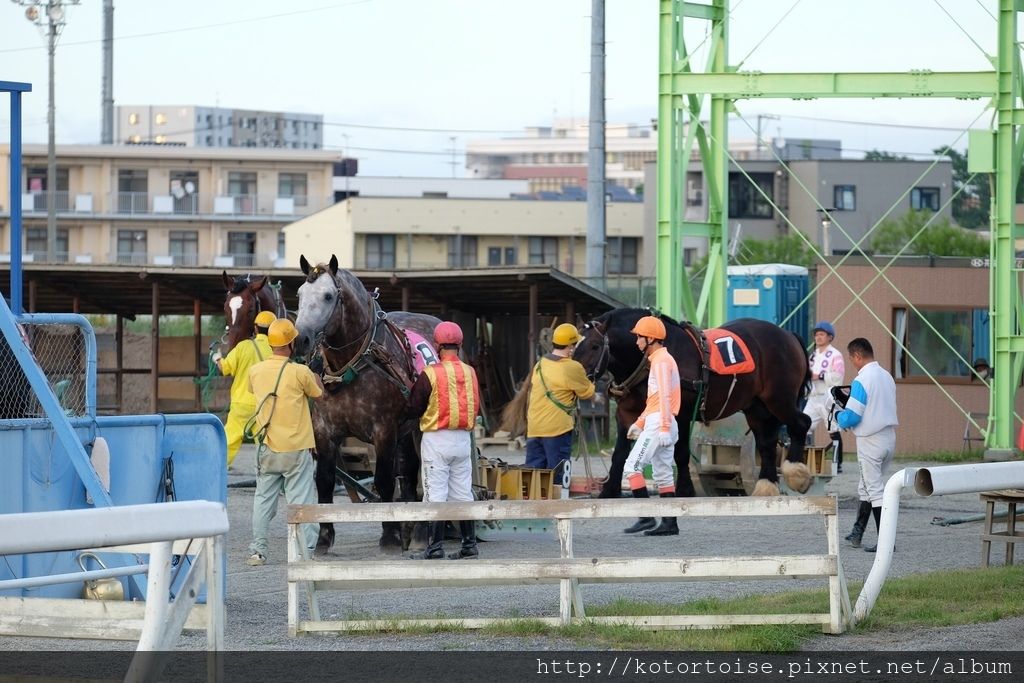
point(601, 366)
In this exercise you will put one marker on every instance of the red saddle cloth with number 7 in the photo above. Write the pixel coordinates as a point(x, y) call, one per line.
point(728, 353)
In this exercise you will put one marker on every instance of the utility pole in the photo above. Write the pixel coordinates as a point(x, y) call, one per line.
point(53, 22)
point(107, 134)
point(760, 118)
point(596, 147)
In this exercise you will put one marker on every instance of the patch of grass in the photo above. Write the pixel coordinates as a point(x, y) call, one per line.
point(945, 598)
point(947, 457)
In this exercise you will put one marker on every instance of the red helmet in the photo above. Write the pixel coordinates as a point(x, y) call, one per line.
point(447, 333)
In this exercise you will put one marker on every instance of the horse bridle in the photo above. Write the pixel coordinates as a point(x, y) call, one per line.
point(601, 366)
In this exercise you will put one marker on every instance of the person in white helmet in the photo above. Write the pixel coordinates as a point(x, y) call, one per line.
point(827, 370)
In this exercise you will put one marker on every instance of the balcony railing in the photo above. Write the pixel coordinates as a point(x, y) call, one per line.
point(157, 205)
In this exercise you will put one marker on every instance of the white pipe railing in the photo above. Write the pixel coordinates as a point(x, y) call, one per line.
point(928, 481)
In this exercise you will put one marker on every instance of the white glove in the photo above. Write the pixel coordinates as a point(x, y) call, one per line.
point(634, 432)
point(216, 357)
point(664, 438)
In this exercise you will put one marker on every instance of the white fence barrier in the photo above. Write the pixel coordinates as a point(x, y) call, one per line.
point(566, 570)
point(196, 528)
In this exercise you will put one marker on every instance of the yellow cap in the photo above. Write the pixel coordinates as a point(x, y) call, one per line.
point(565, 335)
point(265, 318)
point(282, 333)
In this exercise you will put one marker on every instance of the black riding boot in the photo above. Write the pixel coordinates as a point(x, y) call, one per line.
point(838, 437)
point(668, 526)
point(468, 550)
point(644, 523)
point(877, 512)
point(863, 514)
point(435, 544)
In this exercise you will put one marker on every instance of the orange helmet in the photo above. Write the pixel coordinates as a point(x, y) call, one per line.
point(650, 327)
point(447, 333)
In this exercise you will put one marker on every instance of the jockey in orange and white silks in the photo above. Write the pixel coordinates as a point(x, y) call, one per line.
point(827, 371)
point(656, 431)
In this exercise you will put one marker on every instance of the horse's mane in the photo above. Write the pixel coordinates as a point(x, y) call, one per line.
point(619, 312)
point(241, 282)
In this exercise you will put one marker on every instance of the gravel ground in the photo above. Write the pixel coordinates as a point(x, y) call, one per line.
point(257, 598)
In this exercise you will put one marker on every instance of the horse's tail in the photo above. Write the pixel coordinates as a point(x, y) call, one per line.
point(513, 415)
point(805, 389)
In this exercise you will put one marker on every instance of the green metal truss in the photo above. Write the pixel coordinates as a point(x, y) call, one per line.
point(682, 92)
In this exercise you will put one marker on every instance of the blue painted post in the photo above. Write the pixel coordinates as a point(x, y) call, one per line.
point(15, 175)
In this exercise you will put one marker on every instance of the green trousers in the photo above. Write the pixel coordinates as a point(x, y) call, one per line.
point(291, 472)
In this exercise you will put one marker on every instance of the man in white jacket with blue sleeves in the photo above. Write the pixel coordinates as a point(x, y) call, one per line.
point(871, 414)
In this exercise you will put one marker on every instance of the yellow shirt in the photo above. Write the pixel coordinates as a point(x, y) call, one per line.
point(246, 354)
point(290, 426)
point(566, 380)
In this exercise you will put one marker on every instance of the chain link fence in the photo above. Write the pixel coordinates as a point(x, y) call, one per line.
point(59, 350)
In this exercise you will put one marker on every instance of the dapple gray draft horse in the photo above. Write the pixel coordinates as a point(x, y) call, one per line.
point(768, 397)
point(367, 371)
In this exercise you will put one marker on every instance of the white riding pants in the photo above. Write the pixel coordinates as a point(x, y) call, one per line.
point(817, 408)
point(446, 464)
point(875, 453)
point(647, 449)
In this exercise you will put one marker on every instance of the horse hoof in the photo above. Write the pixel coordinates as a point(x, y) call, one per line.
point(320, 550)
point(765, 488)
point(797, 476)
point(324, 542)
point(391, 543)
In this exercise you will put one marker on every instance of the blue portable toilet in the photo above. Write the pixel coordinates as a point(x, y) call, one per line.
point(770, 291)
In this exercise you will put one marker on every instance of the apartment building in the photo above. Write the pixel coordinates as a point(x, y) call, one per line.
point(197, 126)
point(166, 205)
point(390, 233)
point(552, 158)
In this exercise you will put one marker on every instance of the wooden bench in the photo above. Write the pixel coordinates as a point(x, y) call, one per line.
point(1010, 536)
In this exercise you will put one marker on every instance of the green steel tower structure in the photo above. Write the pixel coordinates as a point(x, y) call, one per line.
point(682, 93)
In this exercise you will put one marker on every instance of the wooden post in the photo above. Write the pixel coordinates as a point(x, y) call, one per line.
point(532, 326)
point(31, 296)
point(405, 297)
point(75, 304)
point(119, 363)
point(570, 312)
point(197, 334)
point(154, 358)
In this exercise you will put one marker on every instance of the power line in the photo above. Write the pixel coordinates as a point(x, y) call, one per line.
point(202, 27)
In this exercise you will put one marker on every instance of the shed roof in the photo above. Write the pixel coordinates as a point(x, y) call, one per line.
point(128, 289)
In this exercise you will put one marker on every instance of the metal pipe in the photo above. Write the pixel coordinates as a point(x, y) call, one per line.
point(596, 153)
point(73, 577)
point(973, 478)
point(40, 532)
point(928, 481)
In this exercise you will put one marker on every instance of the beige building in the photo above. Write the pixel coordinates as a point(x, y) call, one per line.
point(369, 233)
point(164, 205)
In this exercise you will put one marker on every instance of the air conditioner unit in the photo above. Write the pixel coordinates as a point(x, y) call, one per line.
point(28, 201)
point(163, 260)
point(83, 258)
point(284, 206)
point(224, 205)
point(224, 261)
point(163, 204)
point(83, 203)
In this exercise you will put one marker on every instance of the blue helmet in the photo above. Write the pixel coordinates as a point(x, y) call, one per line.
point(826, 327)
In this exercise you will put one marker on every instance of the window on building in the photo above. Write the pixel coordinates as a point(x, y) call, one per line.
point(292, 185)
point(184, 189)
point(689, 256)
point(380, 251)
point(462, 251)
point(242, 246)
point(750, 198)
point(543, 251)
point(497, 256)
point(845, 198)
point(965, 329)
point(131, 247)
point(242, 186)
point(132, 190)
point(924, 198)
point(494, 256)
point(35, 183)
point(622, 255)
point(511, 258)
point(184, 247)
point(160, 119)
point(35, 244)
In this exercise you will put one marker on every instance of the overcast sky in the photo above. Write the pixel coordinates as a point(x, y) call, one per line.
point(482, 68)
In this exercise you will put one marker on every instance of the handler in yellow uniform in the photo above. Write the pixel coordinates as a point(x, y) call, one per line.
point(557, 384)
point(284, 430)
point(237, 364)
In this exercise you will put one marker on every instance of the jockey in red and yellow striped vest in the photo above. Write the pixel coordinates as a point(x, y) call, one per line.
point(446, 399)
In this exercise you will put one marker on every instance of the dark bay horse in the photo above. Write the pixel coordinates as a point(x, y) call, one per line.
point(367, 371)
point(769, 396)
point(247, 295)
